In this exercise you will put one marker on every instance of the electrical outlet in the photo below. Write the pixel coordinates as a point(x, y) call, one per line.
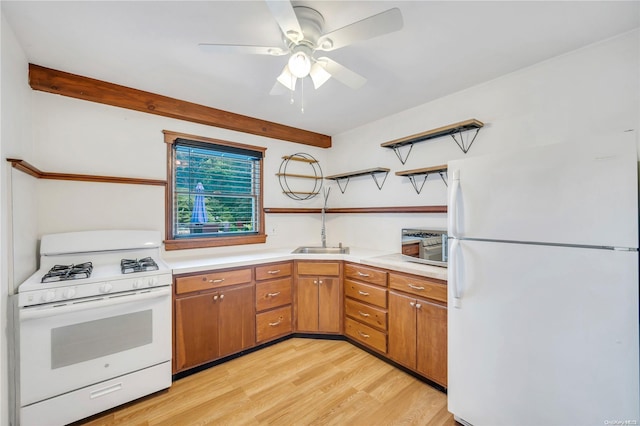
point(274, 230)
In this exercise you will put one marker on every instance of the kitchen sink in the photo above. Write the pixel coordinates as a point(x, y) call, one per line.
point(321, 250)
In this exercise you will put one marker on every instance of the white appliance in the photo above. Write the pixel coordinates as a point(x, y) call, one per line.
point(543, 286)
point(94, 325)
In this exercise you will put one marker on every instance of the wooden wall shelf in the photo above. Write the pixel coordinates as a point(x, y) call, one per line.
point(402, 209)
point(27, 168)
point(450, 130)
point(344, 177)
point(425, 172)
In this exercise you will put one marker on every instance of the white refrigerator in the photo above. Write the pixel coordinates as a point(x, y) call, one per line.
point(543, 286)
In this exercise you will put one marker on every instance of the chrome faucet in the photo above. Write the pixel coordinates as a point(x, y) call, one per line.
point(323, 231)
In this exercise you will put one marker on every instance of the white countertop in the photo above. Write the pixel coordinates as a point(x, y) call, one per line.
point(394, 261)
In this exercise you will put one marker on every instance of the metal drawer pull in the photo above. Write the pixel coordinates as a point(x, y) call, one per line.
point(364, 314)
point(362, 274)
point(364, 293)
point(274, 324)
point(415, 287)
point(366, 336)
point(273, 272)
point(216, 281)
point(273, 294)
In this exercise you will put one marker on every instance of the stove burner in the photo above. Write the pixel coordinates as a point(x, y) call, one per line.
point(134, 265)
point(68, 272)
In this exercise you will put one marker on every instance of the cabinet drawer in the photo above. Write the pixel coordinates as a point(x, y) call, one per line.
point(274, 293)
point(366, 335)
point(318, 268)
point(273, 324)
point(367, 314)
point(276, 270)
point(367, 293)
point(424, 287)
point(363, 273)
point(213, 279)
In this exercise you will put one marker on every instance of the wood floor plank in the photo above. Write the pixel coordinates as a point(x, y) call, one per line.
point(294, 382)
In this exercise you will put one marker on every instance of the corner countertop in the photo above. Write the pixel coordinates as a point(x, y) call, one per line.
point(381, 259)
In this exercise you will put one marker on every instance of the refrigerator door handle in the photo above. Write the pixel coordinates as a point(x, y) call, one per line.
point(453, 275)
point(453, 200)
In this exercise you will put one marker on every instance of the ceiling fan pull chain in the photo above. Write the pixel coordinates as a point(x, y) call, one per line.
point(302, 95)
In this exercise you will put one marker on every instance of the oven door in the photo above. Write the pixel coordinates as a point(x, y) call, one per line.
point(66, 347)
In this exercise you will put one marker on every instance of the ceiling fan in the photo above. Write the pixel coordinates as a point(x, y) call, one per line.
point(303, 35)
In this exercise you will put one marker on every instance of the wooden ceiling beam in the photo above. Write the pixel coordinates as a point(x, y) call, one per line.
point(89, 89)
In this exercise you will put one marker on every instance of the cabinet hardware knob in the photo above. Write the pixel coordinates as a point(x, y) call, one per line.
point(216, 281)
point(320, 282)
point(364, 293)
point(215, 297)
point(418, 306)
point(221, 296)
point(273, 294)
point(364, 314)
point(412, 304)
point(274, 324)
point(362, 274)
point(273, 272)
point(415, 287)
point(366, 336)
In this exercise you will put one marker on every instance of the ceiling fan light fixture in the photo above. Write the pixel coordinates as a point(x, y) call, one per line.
point(326, 44)
point(319, 75)
point(300, 64)
point(287, 79)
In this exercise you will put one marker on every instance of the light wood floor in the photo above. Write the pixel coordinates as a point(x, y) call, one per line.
point(295, 382)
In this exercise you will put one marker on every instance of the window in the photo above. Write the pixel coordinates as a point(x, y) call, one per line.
point(214, 194)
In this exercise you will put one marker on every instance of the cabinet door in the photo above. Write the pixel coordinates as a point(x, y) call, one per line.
point(236, 321)
point(402, 329)
point(329, 304)
point(307, 309)
point(196, 330)
point(432, 341)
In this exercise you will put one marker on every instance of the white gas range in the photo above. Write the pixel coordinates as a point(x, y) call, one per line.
point(94, 325)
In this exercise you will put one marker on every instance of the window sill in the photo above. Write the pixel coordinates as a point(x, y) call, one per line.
point(193, 243)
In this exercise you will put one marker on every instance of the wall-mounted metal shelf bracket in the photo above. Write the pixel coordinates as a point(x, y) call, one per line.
point(461, 143)
point(452, 130)
point(374, 173)
point(424, 173)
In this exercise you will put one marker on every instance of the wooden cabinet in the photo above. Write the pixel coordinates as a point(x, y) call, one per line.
point(273, 301)
point(212, 321)
point(418, 332)
point(365, 305)
point(318, 296)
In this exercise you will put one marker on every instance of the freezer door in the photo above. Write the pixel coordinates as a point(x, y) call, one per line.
point(570, 193)
point(542, 335)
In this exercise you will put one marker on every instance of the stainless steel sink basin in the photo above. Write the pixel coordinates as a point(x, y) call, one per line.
point(322, 250)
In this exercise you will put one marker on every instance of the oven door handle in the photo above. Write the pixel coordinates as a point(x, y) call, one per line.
point(116, 299)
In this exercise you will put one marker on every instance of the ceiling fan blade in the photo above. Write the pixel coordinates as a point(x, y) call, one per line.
point(286, 17)
point(373, 26)
point(341, 73)
point(239, 48)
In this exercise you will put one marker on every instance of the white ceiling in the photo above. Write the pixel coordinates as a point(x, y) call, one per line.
point(444, 47)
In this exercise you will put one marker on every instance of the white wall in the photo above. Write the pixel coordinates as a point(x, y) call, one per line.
point(594, 90)
point(18, 229)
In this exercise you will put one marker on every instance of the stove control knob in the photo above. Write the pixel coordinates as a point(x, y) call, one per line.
point(152, 281)
point(137, 284)
point(105, 288)
point(49, 296)
point(68, 293)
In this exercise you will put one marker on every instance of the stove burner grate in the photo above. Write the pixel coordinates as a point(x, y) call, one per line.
point(68, 272)
point(138, 265)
